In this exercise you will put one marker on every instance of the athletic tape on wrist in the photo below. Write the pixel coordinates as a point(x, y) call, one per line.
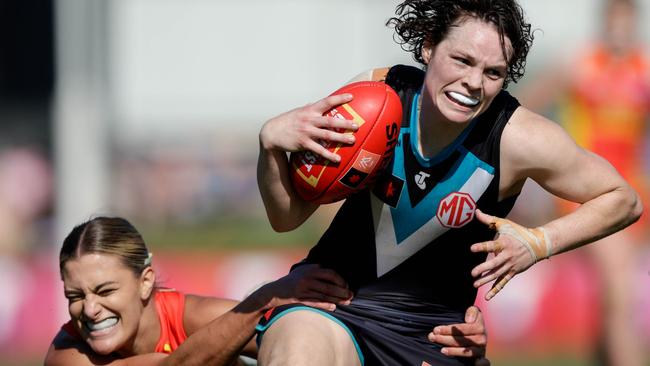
point(535, 240)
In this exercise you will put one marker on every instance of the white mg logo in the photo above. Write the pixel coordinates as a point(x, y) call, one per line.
point(456, 210)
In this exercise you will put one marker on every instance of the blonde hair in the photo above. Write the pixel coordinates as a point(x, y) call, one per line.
point(107, 235)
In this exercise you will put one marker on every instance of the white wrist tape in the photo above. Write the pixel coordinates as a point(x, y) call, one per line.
point(535, 240)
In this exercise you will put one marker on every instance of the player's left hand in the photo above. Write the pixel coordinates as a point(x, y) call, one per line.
point(515, 249)
point(467, 339)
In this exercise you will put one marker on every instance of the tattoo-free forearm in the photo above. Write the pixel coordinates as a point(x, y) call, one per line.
point(284, 209)
point(595, 219)
point(220, 342)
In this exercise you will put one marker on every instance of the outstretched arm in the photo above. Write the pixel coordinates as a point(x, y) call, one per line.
point(228, 335)
point(534, 147)
point(552, 159)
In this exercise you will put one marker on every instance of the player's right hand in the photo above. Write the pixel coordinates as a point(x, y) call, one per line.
point(311, 285)
point(302, 128)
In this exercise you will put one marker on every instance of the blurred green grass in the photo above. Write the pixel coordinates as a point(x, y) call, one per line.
point(523, 360)
point(228, 232)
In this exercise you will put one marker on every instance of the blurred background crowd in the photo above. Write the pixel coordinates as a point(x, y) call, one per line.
point(150, 110)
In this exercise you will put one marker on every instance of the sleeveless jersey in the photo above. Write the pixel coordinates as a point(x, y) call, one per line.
point(170, 305)
point(405, 244)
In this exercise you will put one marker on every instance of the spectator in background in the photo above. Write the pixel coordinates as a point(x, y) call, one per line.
point(25, 197)
point(25, 200)
point(603, 100)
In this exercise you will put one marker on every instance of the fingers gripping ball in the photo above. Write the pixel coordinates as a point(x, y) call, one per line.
point(377, 110)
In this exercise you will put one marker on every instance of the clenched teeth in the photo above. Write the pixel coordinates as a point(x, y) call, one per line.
point(463, 99)
point(106, 323)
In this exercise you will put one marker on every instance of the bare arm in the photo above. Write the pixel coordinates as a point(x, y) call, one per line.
point(534, 147)
point(233, 331)
point(296, 130)
point(67, 351)
point(220, 341)
point(201, 310)
point(552, 159)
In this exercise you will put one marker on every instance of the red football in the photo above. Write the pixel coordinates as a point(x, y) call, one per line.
point(377, 110)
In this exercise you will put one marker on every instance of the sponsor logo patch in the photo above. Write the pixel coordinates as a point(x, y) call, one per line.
point(353, 178)
point(366, 161)
point(389, 189)
point(456, 210)
point(421, 179)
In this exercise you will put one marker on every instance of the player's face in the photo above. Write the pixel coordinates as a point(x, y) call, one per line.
point(105, 300)
point(465, 71)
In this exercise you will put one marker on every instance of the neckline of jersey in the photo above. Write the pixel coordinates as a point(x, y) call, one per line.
point(415, 131)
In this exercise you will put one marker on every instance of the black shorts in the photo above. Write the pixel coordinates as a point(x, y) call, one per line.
point(383, 336)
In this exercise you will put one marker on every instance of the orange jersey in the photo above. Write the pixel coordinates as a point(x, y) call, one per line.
point(609, 106)
point(170, 305)
point(608, 111)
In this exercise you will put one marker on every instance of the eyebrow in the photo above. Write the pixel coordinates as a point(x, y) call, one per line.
point(472, 59)
point(95, 289)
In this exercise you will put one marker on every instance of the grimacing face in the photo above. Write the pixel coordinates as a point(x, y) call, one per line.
point(105, 300)
point(465, 71)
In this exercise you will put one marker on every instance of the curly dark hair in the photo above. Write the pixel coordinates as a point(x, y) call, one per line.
point(428, 21)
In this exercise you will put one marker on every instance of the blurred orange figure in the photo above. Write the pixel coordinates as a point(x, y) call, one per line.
point(605, 105)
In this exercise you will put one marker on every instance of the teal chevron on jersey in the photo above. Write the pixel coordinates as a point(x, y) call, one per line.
point(405, 224)
point(414, 127)
point(411, 214)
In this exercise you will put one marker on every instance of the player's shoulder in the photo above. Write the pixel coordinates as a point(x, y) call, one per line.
point(376, 74)
point(200, 310)
point(532, 138)
point(394, 75)
point(526, 123)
